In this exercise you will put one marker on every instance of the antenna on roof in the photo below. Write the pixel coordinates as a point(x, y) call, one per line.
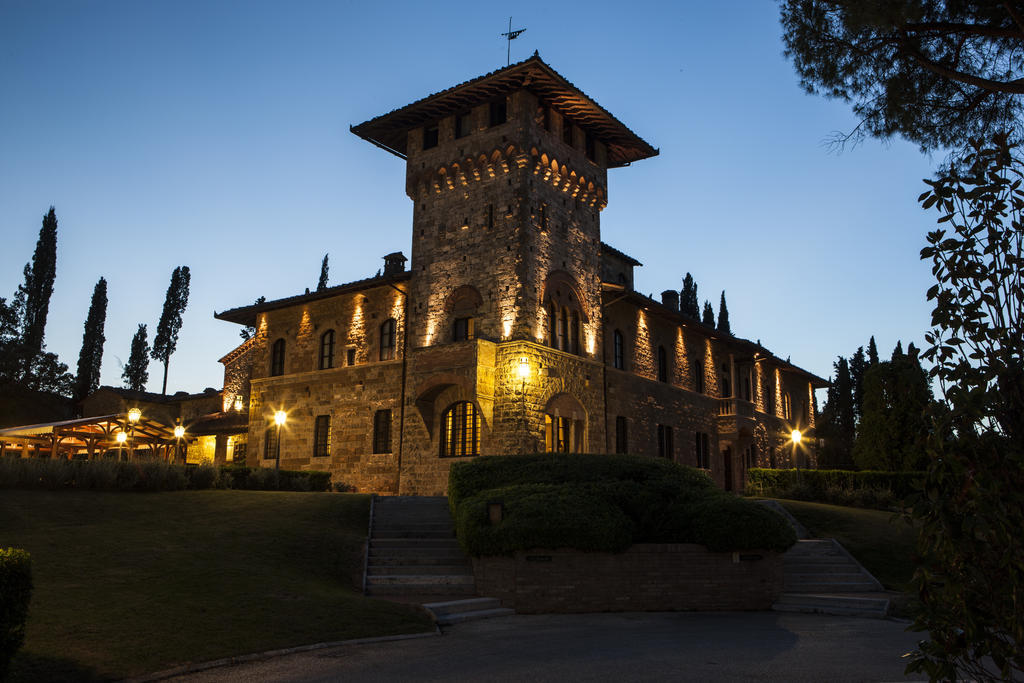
point(511, 35)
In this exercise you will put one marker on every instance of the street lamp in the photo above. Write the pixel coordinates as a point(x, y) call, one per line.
point(279, 419)
point(179, 432)
point(120, 438)
point(134, 415)
point(795, 436)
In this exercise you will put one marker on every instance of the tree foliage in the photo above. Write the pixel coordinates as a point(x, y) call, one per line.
point(688, 305)
point(837, 425)
point(166, 340)
point(708, 318)
point(723, 316)
point(971, 510)
point(33, 296)
point(936, 72)
point(322, 283)
point(136, 370)
point(90, 358)
point(249, 331)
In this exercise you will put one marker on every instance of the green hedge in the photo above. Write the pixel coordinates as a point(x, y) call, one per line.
point(149, 475)
point(864, 488)
point(602, 503)
point(15, 593)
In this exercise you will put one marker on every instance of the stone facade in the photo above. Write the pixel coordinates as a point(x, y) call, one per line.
point(646, 577)
point(515, 329)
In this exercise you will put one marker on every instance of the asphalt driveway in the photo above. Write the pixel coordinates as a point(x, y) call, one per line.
point(754, 646)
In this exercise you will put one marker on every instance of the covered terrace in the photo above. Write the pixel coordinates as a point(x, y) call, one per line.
point(125, 435)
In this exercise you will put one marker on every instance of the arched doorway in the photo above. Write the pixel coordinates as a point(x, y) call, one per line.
point(564, 425)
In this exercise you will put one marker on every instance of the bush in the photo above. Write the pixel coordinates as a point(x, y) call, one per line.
point(867, 488)
point(203, 476)
point(15, 593)
point(541, 516)
point(600, 502)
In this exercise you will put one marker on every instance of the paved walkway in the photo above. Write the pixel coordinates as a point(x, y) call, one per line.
point(752, 646)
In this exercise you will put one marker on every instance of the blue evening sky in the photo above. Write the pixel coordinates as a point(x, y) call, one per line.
point(215, 134)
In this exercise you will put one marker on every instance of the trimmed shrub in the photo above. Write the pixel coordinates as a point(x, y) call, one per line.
point(866, 488)
point(15, 593)
point(541, 516)
point(604, 503)
point(203, 476)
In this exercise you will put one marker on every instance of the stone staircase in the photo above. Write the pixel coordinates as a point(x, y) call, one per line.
point(820, 576)
point(413, 553)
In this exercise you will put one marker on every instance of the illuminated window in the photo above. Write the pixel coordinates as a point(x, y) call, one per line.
point(327, 350)
point(463, 329)
point(430, 136)
point(662, 364)
point(787, 406)
point(387, 340)
point(460, 430)
point(463, 125)
point(619, 356)
point(498, 112)
point(703, 450)
point(277, 358)
point(271, 443)
point(666, 449)
point(382, 431)
point(322, 436)
point(621, 434)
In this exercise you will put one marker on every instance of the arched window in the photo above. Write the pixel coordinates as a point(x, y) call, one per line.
point(725, 381)
point(327, 350)
point(387, 340)
point(662, 364)
point(574, 332)
point(563, 331)
point(462, 306)
point(619, 356)
point(277, 358)
point(552, 326)
point(787, 406)
point(460, 430)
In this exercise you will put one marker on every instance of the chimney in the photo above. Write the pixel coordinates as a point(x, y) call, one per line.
point(670, 298)
point(394, 263)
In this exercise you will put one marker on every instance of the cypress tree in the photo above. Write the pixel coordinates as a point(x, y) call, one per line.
point(898, 351)
point(858, 366)
point(91, 356)
point(723, 316)
point(322, 284)
point(709, 315)
point(166, 340)
point(136, 370)
point(872, 351)
point(688, 305)
point(837, 426)
point(33, 297)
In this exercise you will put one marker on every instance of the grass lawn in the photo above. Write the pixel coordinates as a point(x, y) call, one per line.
point(883, 545)
point(130, 583)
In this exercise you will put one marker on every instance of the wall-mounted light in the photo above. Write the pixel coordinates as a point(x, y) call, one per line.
point(796, 436)
point(524, 367)
point(238, 403)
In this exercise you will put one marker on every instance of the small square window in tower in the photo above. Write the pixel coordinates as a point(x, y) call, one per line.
point(430, 136)
point(463, 124)
point(498, 112)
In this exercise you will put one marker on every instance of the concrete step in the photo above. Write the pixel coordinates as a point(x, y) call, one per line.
point(435, 591)
point(412, 533)
point(413, 542)
point(837, 577)
point(474, 615)
point(456, 606)
point(417, 559)
point(816, 566)
point(832, 604)
point(421, 580)
point(831, 587)
point(414, 569)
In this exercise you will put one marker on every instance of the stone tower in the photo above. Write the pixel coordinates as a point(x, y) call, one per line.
point(508, 176)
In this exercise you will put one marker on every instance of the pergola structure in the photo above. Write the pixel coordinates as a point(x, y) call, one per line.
point(128, 434)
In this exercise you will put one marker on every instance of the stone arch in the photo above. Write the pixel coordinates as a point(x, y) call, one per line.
point(561, 288)
point(438, 392)
point(565, 424)
point(463, 298)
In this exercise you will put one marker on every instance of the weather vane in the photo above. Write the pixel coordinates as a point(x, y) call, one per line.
point(511, 35)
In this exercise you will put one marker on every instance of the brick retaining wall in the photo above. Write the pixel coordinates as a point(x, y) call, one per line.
point(647, 577)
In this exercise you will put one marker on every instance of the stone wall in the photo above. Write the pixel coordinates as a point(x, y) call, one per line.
point(647, 577)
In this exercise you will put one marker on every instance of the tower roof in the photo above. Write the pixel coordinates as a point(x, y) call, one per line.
point(388, 131)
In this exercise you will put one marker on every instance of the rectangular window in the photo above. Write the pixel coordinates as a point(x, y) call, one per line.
point(490, 216)
point(567, 131)
point(387, 339)
point(662, 364)
point(430, 136)
point(272, 443)
point(703, 449)
point(322, 436)
point(499, 112)
point(463, 125)
point(350, 356)
point(382, 431)
point(621, 434)
point(590, 147)
point(666, 449)
point(463, 329)
point(699, 376)
point(619, 358)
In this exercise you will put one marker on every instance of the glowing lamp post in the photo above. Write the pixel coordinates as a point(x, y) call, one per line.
point(134, 415)
point(795, 436)
point(279, 419)
point(179, 433)
point(120, 438)
point(524, 373)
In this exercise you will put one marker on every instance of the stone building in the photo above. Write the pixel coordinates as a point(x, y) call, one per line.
point(515, 329)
